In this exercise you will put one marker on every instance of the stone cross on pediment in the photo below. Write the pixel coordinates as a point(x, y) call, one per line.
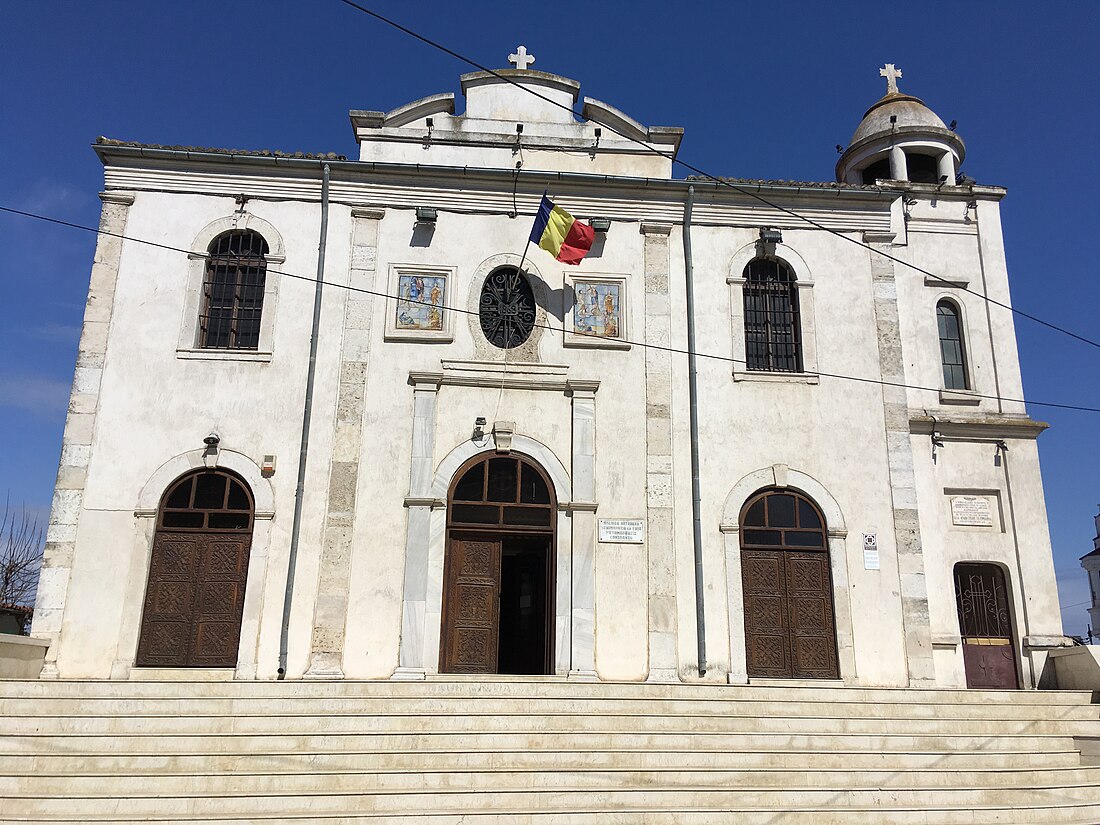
point(891, 74)
point(521, 59)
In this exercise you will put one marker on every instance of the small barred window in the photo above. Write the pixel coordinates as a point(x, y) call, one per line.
point(507, 308)
point(773, 340)
point(233, 291)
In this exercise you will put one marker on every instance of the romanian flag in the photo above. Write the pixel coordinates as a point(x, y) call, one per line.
point(560, 234)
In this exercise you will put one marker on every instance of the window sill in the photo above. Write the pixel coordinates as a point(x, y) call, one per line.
point(771, 377)
point(961, 397)
point(199, 354)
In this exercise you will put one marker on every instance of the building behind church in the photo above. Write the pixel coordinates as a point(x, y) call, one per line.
point(498, 474)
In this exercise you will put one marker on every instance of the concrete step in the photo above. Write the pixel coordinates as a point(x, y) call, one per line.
point(166, 761)
point(545, 687)
point(525, 739)
point(564, 799)
point(343, 705)
point(538, 779)
point(1071, 814)
point(485, 720)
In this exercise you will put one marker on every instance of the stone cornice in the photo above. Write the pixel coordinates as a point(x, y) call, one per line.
point(988, 427)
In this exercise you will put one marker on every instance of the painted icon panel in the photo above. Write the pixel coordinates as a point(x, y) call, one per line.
point(420, 302)
point(598, 310)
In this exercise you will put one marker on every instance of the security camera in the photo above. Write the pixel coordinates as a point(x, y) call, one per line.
point(212, 440)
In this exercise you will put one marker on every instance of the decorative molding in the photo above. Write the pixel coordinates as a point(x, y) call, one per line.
point(961, 397)
point(957, 282)
point(1050, 642)
point(971, 428)
point(769, 377)
point(652, 228)
point(425, 501)
point(123, 198)
point(578, 506)
point(494, 375)
point(201, 354)
point(368, 213)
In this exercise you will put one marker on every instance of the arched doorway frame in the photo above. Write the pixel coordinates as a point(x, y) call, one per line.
point(430, 620)
point(492, 532)
point(781, 476)
point(145, 517)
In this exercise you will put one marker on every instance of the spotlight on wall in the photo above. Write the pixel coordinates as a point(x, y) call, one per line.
point(600, 224)
point(426, 214)
point(212, 440)
point(771, 236)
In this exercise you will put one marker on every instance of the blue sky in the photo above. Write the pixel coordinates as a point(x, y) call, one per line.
point(763, 90)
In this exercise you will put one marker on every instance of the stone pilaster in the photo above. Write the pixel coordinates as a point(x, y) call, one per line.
point(660, 543)
point(76, 442)
point(582, 659)
point(331, 608)
point(903, 484)
point(411, 664)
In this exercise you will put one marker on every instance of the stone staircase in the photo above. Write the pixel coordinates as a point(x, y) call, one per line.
point(515, 750)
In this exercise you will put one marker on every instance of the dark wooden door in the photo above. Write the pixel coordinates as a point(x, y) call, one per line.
point(790, 630)
point(989, 654)
point(194, 600)
point(471, 608)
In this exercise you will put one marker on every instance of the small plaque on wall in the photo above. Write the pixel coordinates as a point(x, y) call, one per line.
point(622, 530)
point(971, 511)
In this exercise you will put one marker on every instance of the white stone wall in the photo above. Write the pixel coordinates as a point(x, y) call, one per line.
point(611, 425)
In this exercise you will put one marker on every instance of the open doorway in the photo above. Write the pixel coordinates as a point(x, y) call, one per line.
point(498, 579)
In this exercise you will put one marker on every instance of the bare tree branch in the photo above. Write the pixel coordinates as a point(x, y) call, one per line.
point(20, 559)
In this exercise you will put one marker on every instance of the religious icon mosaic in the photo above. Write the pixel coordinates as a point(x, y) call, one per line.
point(420, 302)
point(598, 311)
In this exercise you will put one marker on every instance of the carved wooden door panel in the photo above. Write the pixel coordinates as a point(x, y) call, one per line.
point(219, 601)
point(194, 600)
point(471, 609)
point(989, 654)
point(767, 635)
point(812, 627)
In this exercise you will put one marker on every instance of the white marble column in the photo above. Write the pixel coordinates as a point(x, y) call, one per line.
point(411, 664)
point(68, 497)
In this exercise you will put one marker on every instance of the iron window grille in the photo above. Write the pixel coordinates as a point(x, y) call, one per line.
point(952, 352)
point(507, 308)
point(773, 338)
point(233, 291)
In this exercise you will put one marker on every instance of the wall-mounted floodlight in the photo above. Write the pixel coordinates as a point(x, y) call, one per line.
point(426, 214)
point(600, 224)
point(771, 236)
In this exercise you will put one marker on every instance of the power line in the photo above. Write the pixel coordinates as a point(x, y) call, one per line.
point(643, 344)
point(718, 180)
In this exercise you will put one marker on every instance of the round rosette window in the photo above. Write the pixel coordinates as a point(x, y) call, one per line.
point(507, 308)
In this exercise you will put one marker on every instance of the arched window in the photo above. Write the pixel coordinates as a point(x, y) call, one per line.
point(773, 340)
point(233, 291)
point(952, 349)
point(507, 308)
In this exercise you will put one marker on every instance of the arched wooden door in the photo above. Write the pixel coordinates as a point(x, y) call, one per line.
point(790, 629)
point(498, 575)
point(195, 594)
point(989, 654)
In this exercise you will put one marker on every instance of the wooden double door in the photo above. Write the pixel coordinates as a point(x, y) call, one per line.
point(194, 599)
point(790, 629)
point(497, 594)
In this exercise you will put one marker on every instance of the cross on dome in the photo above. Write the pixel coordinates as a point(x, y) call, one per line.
point(891, 74)
point(521, 58)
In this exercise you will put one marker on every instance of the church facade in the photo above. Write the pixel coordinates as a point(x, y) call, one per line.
point(460, 455)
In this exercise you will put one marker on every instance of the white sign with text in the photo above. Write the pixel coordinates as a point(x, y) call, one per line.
point(622, 530)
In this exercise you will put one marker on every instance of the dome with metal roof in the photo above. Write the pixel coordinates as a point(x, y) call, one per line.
point(900, 139)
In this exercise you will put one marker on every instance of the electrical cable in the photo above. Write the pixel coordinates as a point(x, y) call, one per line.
point(642, 344)
point(718, 180)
